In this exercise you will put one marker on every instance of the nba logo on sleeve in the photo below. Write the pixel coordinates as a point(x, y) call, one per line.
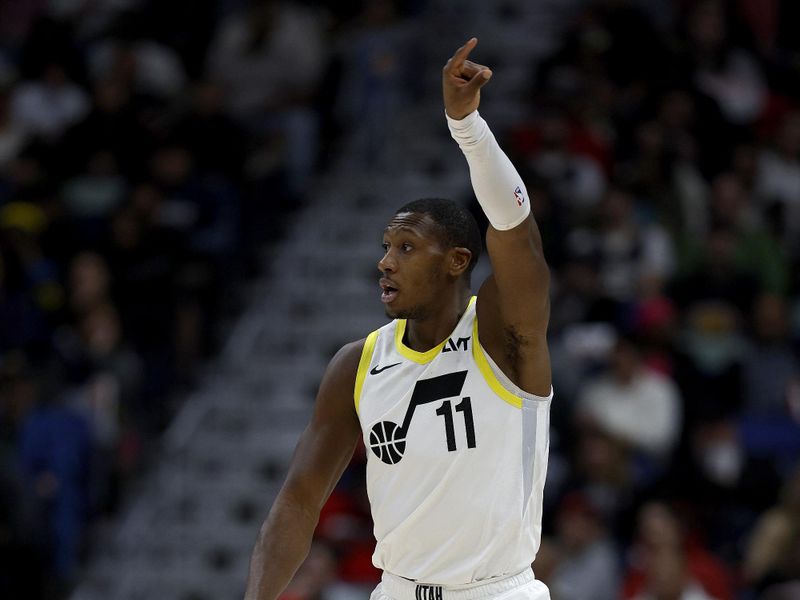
point(519, 196)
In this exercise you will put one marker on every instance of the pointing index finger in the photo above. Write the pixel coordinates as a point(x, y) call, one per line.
point(457, 62)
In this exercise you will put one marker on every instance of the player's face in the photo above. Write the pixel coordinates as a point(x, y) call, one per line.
point(413, 266)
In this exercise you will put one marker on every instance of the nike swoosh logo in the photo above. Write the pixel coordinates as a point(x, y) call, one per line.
point(376, 370)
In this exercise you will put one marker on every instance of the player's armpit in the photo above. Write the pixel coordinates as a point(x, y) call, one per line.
point(514, 307)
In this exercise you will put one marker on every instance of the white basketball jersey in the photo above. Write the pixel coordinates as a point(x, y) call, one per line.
point(457, 456)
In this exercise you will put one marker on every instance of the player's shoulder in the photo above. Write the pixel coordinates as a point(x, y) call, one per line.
point(339, 380)
point(343, 367)
point(350, 353)
point(355, 356)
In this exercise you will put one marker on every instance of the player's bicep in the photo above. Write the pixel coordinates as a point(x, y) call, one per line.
point(514, 307)
point(520, 283)
point(326, 446)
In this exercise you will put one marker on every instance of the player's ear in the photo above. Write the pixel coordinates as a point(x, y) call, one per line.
point(458, 261)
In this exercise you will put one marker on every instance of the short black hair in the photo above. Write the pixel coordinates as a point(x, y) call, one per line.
point(458, 227)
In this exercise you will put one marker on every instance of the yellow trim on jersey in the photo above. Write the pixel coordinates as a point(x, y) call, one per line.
point(419, 357)
point(487, 372)
point(363, 365)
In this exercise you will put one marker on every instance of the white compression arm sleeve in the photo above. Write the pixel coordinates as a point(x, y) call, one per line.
point(496, 183)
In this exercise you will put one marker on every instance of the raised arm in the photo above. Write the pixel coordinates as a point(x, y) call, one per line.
point(513, 303)
point(323, 452)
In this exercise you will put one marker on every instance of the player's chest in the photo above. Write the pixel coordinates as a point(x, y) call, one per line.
point(435, 413)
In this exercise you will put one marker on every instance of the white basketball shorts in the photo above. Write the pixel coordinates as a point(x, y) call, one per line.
point(522, 586)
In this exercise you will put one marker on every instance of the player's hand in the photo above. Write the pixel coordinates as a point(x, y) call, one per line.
point(462, 81)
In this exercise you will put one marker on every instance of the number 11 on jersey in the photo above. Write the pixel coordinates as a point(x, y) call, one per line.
point(446, 411)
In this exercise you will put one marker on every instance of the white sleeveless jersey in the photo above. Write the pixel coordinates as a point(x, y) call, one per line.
point(457, 456)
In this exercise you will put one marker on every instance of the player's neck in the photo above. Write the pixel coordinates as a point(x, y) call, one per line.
point(424, 334)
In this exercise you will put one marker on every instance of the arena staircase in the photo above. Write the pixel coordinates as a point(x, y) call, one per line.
point(188, 530)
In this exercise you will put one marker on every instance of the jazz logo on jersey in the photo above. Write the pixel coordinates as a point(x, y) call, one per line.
point(387, 439)
point(519, 196)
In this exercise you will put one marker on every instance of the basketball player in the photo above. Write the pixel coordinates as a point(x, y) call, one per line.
point(452, 397)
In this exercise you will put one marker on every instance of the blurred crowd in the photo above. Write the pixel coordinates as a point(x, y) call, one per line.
point(662, 156)
point(148, 149)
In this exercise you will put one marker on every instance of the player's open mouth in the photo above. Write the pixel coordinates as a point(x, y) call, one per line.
point(388, 291)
